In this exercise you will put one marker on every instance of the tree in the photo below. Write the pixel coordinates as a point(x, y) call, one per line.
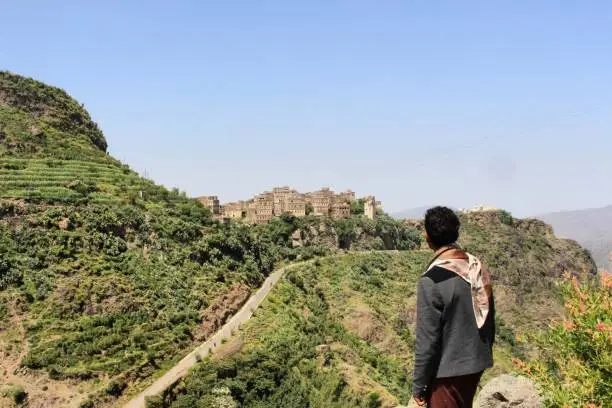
point(309, 208)
point(345, 229)
point(357, 206)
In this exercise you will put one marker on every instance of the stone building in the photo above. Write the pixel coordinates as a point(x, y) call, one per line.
point(212, 203)
point(346, 196)
point(264, 205)
point(280, 196)
point(295, 204)
point(233, 210)
point(370, 206)
point(340, 210)
point(321, 201)
point(251, 211)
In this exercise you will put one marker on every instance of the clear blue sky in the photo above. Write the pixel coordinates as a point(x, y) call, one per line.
point(505, 103)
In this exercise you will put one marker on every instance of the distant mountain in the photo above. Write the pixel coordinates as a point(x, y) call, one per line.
point(592, 228)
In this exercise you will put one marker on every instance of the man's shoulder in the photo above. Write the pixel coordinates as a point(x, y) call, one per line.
point(437, 274)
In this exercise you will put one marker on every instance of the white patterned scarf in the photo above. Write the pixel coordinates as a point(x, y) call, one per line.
point(479, 278)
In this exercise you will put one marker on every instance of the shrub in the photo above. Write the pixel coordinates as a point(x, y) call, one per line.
point(17, 394)
point(506, 218)
point(154, 402)
point(374, 400)
point(81, 187)
point(115, 387)
point(576, 364)
point(86, 404)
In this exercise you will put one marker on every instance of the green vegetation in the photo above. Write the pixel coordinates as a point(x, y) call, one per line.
point(111, 275)
point(576, 365)
point(527, 262)
point(305, 348)
point(339, 331)
point(120, 289)
point(47, 108)
point(357, 206)
point(16, 393)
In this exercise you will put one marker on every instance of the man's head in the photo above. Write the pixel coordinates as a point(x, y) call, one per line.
point(441, 227)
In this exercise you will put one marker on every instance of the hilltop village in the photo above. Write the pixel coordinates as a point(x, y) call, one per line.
point(284, 200)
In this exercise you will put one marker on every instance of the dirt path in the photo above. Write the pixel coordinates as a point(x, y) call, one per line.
point(183, 366)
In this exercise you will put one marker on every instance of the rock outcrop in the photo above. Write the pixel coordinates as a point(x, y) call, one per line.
point(221, 309)
point(508, 391)
point(504, 391)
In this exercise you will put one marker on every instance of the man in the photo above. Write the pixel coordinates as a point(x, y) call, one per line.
point(455, 326)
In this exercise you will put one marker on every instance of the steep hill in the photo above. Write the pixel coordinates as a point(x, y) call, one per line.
point(52, 152)
point(339, 331)
point(592, 228)
point(106, 279)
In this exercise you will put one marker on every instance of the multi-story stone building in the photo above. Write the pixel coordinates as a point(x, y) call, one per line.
point(369, 207)
point(346, 196)
point(251, 211)
point(321, 201)
point(296, 204)
point(234, 210)
point(280, 196)
point(340, 210)
point(263, 207)
point(212, 203)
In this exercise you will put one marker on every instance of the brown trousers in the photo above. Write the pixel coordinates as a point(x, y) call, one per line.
point(453, 392)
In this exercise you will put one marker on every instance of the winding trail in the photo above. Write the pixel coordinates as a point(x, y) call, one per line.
point(182, 367)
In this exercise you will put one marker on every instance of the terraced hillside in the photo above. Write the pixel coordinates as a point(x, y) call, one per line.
point(68, 181)
point(52, 152)
point(106, 279)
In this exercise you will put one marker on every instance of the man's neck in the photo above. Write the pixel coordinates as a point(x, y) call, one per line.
point(451, 251)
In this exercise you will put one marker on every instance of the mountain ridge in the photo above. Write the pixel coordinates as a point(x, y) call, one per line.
point(590, 227)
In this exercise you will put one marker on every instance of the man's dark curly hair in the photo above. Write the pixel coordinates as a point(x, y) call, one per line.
point(442, 226)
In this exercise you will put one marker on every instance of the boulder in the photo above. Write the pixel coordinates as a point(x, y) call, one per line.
point(507, 391)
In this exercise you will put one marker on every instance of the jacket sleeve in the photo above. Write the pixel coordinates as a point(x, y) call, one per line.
point(428, 336)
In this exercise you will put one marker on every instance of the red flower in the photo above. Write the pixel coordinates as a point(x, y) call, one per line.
point(568, 325)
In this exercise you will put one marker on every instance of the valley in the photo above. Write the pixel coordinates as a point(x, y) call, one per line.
point(110, 283)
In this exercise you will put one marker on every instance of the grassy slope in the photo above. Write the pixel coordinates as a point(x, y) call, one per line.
point(527, 261)
point(92, 262)
point(328, 336)
point(347, 322)
point(105, 277)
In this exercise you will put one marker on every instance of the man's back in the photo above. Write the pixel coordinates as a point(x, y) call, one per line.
point(455, 318)
point(448, 340)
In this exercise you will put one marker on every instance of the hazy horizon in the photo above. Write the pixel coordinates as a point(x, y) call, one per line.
point(418, 104)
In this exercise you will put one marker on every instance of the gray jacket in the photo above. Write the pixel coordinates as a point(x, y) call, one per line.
point(448, 341)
